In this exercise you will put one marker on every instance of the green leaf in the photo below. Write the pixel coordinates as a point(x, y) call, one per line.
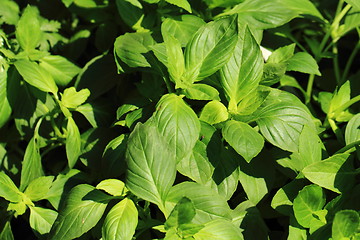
point(345, 224)
point(5, 107)
point(73, 142)
point(96, 113)
point(197, 166)
point(36, 76)
point(178, 123)
point(28, 31)
point(6, 232)
point(131, 13)
point(244, 139)
point(38, 188)
point(352, 131)
point(204, 57)
point(175, 57)
point(310, 148)
point(273, 72)
point(214, 112)
point(263, 15)
point(31, 165)
point(72, 98)
point(61, 69)
point(352, 21)
point(201, 92)
point(219, 229)
point(335, 173)
point(121, 221)
point(183, 213)
point(208, 204)
point(131, 47)
point(281, 119)
point(9, 12)
point(242, 73)
point(113, 187)
point(181, 3)
point(8, 189)
point(41, 219)
point(83, 208)
point(303, 7)
point(309, 200)
point(182, 27)
point(354, 3)
point(151, 165)
point(303, 62)
point(282, 54)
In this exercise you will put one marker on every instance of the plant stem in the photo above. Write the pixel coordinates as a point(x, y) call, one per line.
point(336, 64)
point(309, 88)
point(336, 130)
point(346, 105)
point(349, 62)
point(348, 147)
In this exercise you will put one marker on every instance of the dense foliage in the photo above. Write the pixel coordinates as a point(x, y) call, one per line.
point(179, 119)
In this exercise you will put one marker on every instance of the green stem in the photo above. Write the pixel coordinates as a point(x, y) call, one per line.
point(348, 147)
point(336, 64)
point(309, 88)
point(346, 105)
point(350, 61)
point(56, 129)
point(336, 130)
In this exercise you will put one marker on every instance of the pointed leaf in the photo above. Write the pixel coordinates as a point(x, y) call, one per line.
point(8, 189)
point(72, 98)
point(73, 142)
point(31, 165)
point(335, 173)
point(36, 76)
point(83, 208)
point(210, 48)
point(242, 73)
point(303, 62)
point(244, 139)
point(181, 3)
point(113, 187)
point(121, 221)
point(151, 165)
point(178, 123)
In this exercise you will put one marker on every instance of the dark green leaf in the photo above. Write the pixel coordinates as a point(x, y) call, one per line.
point(183, 213)
point(181, 3)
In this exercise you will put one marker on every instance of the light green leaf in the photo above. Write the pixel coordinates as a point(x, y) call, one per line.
point(73, 142)
point(28, 31)
point(181, 3)
point(113, 187)
point(83, 208)
point(41, 219)
point(178, 123)
point(72, 98)
point(219, 229)
point(182, 27)
point(8, 189)
point(38, 188)
point(31, 165)
point(214, 112)
point(244, 139)
point(310, 148)
point(345, 224)
point(281, 119)
point(197, 166)
point(61, 69)
point(354, 3)
point(130, 48)
point(121, 221)
point(309, 200)
point(210, 48)
point(208, 204)
point(151, 164)
point(6, 232)
point(282, 54)
point(175, 57)
point(335, 173)
point(242, 73)
point(36, 76)
point(303, 7)
point(303, 62)
point(352, 131)
point(263, 14)
point(9, 12)
point(201, 92)
point(5, 107)
point(352, 20)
